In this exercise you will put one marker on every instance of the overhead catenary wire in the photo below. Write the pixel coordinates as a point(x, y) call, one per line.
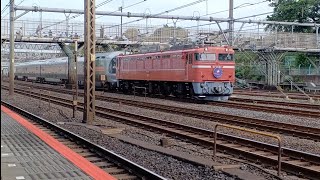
point(235, 8)
point(123, 8)
point(77, 15)
point(6, 7)
point(234, 19)
point(171, 10)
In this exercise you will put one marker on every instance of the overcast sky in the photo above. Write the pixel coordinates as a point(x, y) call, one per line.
point(149, 6)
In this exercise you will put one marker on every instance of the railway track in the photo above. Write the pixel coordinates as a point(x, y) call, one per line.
point(295, 162)
point(262, 108)
point(114, 164)
point(276, 94)
point(253, 104)
point(263, 125)
point(279, 103)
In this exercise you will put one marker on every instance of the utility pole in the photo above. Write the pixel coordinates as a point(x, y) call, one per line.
point(121, 8)
point(75, 84)
point(231, 23)
point(317, 34)
point(89, 62)
point(40, 24)
point(11, 75)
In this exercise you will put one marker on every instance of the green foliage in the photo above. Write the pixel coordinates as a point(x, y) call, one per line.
point(298, 79)
point(244, 68)
point(301, 59)
point(245, 57)
point(302, 11)
point(248, 73)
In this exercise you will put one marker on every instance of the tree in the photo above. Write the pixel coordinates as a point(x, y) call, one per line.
point(302, 60)
point(302, 11)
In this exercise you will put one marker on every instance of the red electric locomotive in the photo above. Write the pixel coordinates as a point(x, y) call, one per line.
point(206, 73)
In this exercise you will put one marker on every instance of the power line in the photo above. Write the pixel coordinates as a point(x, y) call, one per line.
point(235, 8)
point(6, 7)
point(9, 11)
point(123, 8)
point(234, 19)
point(20, 2)
point(77, 15)
point(103, 3)
point(174, 9)
point(3, 10)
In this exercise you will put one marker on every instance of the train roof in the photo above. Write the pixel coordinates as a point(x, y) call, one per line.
point(107, 55)
point(45, 61)
point(178, 51)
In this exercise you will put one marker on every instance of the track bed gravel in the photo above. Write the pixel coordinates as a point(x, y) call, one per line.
point(153, 138)
point(288, 141)
point(166, 166)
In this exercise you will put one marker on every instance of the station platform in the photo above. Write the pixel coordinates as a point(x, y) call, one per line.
point(26, 155)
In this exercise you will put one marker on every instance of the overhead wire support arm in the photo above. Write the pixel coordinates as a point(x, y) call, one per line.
point(224, 35)
point(238, 33)
point(20, 15)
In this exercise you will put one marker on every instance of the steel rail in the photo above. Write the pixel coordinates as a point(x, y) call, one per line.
point(276, 95)
point(264, 125)
point(109, 156)
point(238, 99)
point(293, 161)
point(262, 108)
point(290, 104)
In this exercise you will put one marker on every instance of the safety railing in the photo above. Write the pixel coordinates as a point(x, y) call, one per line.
point(249, 131)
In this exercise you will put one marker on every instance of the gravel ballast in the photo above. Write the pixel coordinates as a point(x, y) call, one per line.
point(163, 165)
point(288, 141)
point(153, 138)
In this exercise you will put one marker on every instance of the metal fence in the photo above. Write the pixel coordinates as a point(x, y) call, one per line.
point(159, 33)
point(280, 40)
point(303, 71)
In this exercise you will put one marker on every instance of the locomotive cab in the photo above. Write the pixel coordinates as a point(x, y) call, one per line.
point(211, 70)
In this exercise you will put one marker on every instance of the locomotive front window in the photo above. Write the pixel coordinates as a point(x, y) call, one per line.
point(100, 61)
point(113, 66)
point(204, 57)
point(225, 57)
